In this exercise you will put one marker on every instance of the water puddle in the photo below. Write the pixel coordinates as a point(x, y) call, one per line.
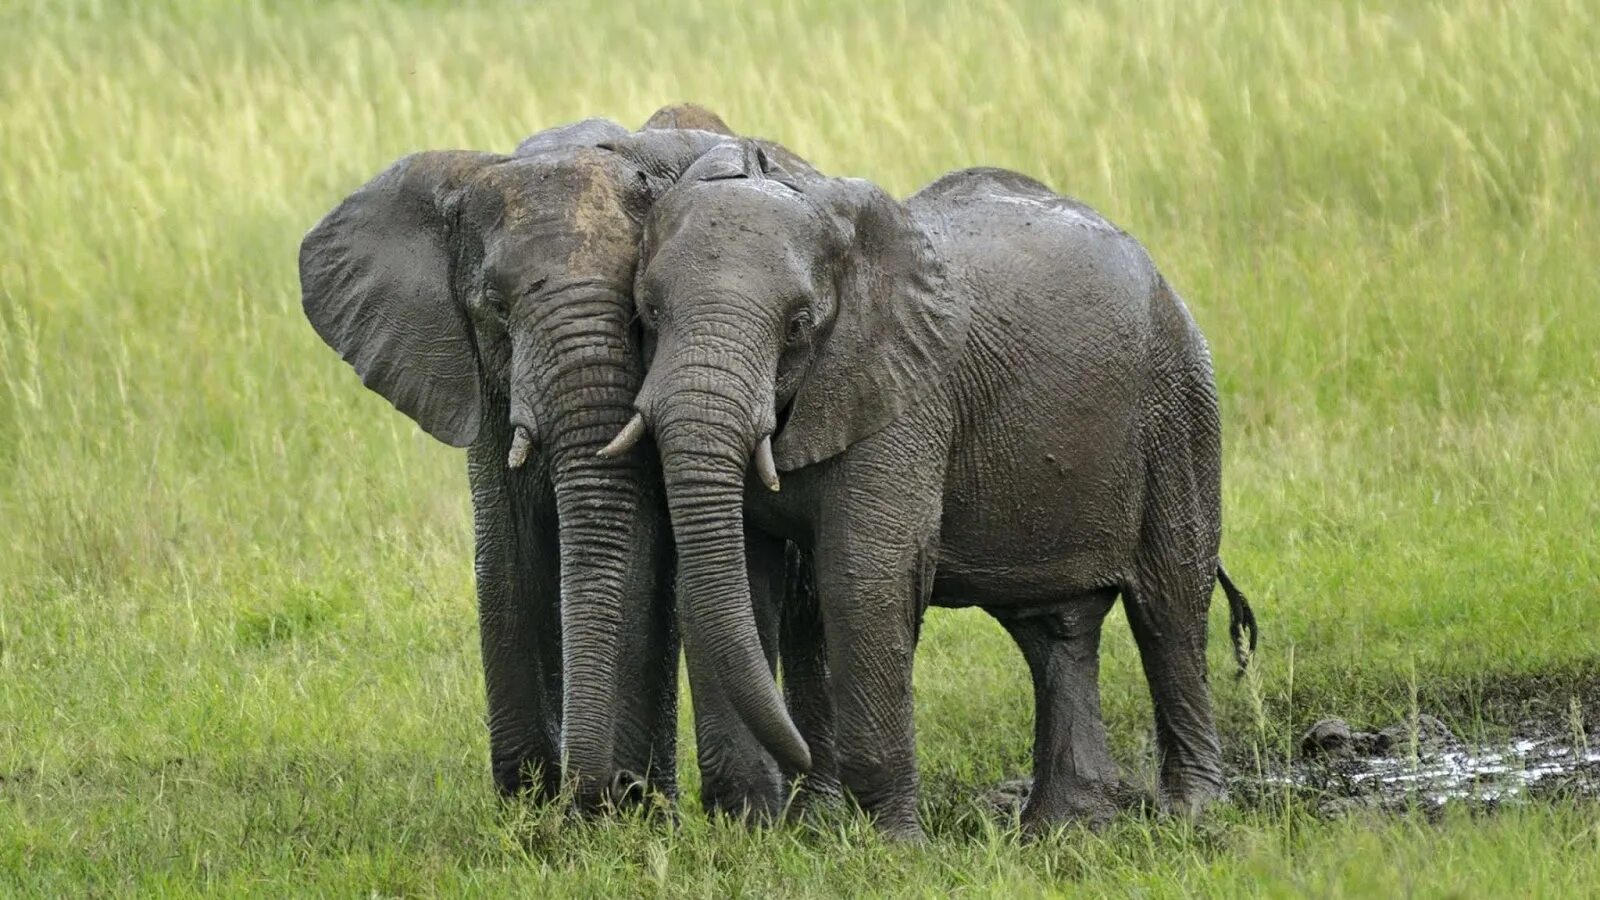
point(1424, 765)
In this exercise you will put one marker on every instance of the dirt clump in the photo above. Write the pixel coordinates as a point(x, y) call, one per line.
point(1335, 739)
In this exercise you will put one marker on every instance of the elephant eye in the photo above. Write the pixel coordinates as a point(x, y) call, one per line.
point(533, 288)
point(493, 300)
point(798, 324)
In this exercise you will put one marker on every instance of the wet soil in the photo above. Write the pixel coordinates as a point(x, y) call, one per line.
point(1545, 746)
point(1547, 749)
point(1421, 764)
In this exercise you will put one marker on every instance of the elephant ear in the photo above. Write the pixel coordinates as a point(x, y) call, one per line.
point(588, 133)
point(375, 281)
point(898, 330)
point(687, 115)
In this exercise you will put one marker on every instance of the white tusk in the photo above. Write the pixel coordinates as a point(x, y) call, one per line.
point(521, 443)
point(765, 467)
point(625, 439)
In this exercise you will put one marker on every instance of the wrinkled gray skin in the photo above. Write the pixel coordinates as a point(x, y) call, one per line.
point(738, 776)
point(985, 396)
point(488, 297)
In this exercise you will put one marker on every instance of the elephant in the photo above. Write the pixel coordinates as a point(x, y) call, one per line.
point(985, 395)
point(489, 298)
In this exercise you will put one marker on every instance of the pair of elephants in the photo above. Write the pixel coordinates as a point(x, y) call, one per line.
point(985, 395)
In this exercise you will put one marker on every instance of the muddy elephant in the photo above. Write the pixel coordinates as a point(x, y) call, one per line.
point(489, 298)
point(983, 396)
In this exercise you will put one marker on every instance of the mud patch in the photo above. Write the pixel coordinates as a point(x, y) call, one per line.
point(1421, 764)
point(1416, 765)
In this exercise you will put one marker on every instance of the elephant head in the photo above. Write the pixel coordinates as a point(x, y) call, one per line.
point(489, 298)
point(793, 315)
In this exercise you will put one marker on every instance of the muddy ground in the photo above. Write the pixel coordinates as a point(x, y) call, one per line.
point(1528, 739)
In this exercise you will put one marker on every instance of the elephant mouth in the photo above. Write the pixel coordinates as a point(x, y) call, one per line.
point(783, 418)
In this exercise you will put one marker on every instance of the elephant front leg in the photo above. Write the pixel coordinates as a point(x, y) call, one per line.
point(1073, 775)
point(874, 578)
point(524, 719)
point(647, 696)
point(519, 631)
point(802, 651)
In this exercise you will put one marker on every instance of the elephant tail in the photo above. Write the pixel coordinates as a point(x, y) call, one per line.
point(1240, 618)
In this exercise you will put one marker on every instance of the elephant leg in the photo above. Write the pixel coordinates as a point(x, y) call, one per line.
point(519, 625)
point(647, 700)
point(1073, 775)
point(873, 580)
point(803, 650)
point(738, 777)
point(1167, 611)
point(663, 773)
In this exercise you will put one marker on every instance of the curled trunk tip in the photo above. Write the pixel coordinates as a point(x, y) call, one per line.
point(705, 493)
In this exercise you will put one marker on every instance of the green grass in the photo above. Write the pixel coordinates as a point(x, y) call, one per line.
point(237, 648)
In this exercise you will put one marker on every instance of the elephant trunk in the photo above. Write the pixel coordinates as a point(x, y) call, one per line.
point(707, 433)
point(583, 386)
point(594, 505)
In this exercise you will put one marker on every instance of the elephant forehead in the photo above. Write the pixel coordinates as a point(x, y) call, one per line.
point(712, 251)
point(740, 210)
point(574, 211)
point(606, 234)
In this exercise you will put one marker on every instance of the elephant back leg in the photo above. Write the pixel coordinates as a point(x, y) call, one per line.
point(1073, 775)
point(1166, 611)
point(1170, 594)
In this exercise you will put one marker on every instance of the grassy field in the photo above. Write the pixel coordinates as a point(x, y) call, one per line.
point(237, 645)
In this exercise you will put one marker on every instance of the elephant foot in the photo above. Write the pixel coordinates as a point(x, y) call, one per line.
point(1189, 788)
point(752, 794)
point(1190, 801)
point(752, 811)
point(810, 797)
point(893, 812)
point(904, 833)
point(526, 778)
point(1090, 802)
